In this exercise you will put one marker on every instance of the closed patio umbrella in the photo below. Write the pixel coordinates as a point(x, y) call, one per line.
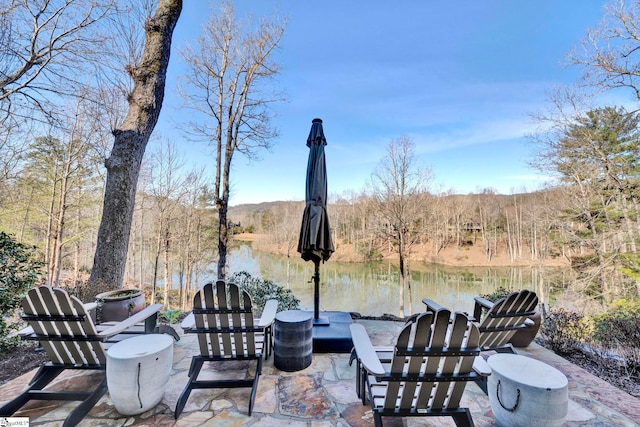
point(315, 242)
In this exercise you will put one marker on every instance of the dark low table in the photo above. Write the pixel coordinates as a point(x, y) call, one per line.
point(293, 340)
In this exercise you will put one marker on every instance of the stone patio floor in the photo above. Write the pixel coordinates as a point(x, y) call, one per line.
point(321, 395)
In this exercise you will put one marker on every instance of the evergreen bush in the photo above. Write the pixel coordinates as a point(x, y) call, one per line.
point(19, 272)
point(563, 330)
point(263, 290)
point(495, 296)
point(618, 329)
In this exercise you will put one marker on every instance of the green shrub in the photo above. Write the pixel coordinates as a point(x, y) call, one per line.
point(495, 296)
point(499, 293)
point(171, 316)
point(619, 325)
point(19, 272)
point(563, 330)
point(367, 251)
point(631, 266)
point(263, 290)
point(618, 329)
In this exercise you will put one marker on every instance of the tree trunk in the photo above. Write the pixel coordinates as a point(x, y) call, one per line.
point(62, 212)
point(123, 166)
point(627, 220)
point(48, 251)
point(168, 284)
point(156, 263)
point(223, 240)
point(402, 272)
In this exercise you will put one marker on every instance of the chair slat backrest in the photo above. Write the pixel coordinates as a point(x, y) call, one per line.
point(64, 328)
point(505, 317)
point(224, 321)
point(432, 362)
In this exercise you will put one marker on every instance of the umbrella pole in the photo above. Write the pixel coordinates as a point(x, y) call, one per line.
point(316, 291)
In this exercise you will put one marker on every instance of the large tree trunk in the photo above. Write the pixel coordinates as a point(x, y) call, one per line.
point(223, 240)
point(123, 166)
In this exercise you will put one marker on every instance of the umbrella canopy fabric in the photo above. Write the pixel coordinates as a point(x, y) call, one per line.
point(315, 242)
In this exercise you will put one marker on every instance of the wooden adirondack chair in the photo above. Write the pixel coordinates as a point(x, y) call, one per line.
point(67, 333)
point(434, 358)
point(223, 318)
point(503, 319)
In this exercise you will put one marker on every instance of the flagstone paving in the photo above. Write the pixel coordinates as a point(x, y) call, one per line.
point(322, 395)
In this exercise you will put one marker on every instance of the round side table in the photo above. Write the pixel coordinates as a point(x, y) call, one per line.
point(293, 340)
point(138, 371)
point(525, 392)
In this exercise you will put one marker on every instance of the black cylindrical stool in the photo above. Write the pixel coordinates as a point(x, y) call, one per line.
point(293, 342)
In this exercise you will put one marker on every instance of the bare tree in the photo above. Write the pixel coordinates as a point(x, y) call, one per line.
point(397, 185)
point(45, 47)
point(167, 190)
point(610, 53)
point(130, 141)
point(227, 84)
point(195, 239)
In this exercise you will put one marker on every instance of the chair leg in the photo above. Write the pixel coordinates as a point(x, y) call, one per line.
point(362, 378)
point(482, 383)
point(194, 370)
point(40, 380)
point(43, 377)
point(166, 329)
point(83, 409)
point(46, 373)
point(254, 388)
point(506, 349)
point(268, 342)
point(463, 419)
point(358, 380)
point(377, 419)
point(196, 365)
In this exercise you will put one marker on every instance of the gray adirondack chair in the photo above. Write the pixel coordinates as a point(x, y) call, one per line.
point(426, 373)
point(223, 320)
point(65, 329)
point(503, 319)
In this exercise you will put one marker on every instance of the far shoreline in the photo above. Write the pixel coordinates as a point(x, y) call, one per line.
point(468, 256)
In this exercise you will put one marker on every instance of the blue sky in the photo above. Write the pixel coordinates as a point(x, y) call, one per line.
point(461, 79)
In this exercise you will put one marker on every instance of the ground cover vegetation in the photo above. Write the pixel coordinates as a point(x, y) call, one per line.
point(63, 139)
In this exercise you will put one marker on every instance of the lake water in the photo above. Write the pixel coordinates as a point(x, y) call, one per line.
point(372, 289)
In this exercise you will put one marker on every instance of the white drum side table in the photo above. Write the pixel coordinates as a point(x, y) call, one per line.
point(138, 371)
point(525, 392)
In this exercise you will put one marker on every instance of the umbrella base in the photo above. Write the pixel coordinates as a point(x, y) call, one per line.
point(321, 321)
point(334, 337)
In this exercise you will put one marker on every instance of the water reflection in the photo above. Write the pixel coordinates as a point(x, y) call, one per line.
point(372, 288)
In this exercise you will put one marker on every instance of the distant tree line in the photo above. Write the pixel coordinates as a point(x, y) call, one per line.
point(531, 227)
point(72, 108)
point(591, 217)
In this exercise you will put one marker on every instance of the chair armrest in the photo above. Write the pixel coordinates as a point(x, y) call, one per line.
point(481, 366)
point(364, 350)
point(89, 306)
point(131, 321)
point(480, 303)
point(268, 313)
point(25, 331)
point(431, 305)
point(188, 322)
